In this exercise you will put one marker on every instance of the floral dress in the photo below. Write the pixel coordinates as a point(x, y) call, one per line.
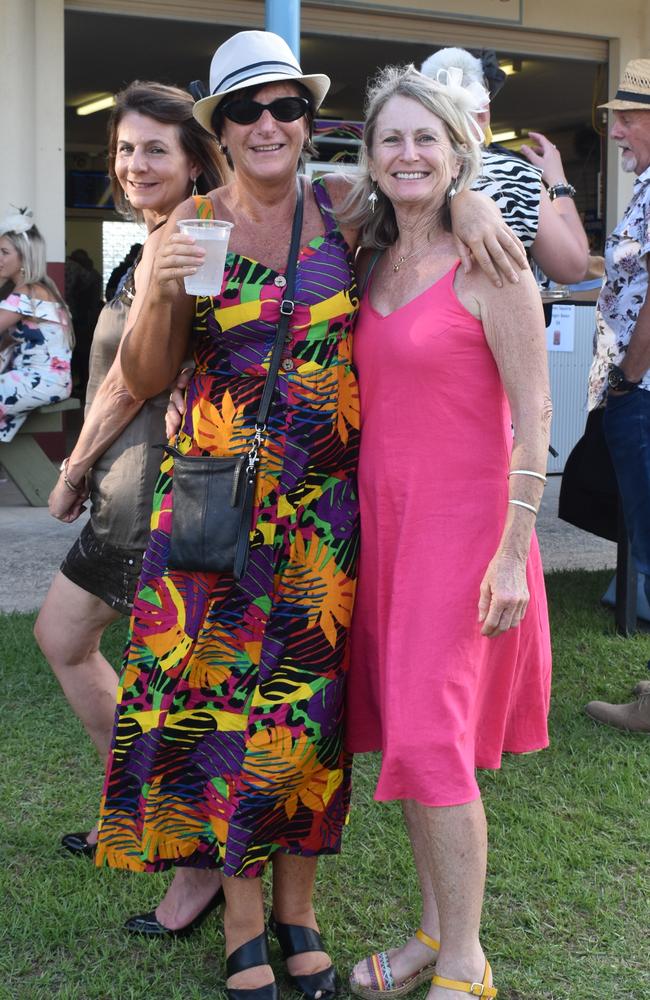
point(228, 743)
point(40, 366)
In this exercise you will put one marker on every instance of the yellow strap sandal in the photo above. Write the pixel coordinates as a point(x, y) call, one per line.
point(382, 981)
point(474, 989)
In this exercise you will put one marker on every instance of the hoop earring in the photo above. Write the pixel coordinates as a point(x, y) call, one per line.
point(223, 149)
point(373, 198)
point(126, 197)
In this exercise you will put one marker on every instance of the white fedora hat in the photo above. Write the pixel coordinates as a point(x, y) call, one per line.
point(250, 59)
point(633, 93)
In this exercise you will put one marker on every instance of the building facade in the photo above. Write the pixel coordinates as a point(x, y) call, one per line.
point(43, 52)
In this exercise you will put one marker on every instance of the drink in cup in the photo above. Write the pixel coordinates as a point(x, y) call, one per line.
point(212, 235)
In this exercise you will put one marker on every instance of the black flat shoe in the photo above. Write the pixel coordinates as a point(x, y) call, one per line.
point(254, 952)
point(296, 940)
point(77, 844)
point(148, 925)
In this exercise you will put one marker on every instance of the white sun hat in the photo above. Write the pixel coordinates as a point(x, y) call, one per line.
point(250, 59)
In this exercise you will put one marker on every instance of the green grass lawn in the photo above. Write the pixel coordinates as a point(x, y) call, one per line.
point(567, 914)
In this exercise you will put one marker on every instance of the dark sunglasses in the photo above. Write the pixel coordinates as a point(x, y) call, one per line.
point(284, 109)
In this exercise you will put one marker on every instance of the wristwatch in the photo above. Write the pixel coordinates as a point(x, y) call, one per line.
point(617, 380)
point(561, 191)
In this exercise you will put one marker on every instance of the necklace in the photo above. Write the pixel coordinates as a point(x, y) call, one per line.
point(403, 260)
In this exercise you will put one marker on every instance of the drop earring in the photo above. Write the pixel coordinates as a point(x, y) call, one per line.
point(373, 198)
point(194, 188)
point(452, 191)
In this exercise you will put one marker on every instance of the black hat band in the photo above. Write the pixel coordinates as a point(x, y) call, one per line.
point(629, 95)
point(252, 70)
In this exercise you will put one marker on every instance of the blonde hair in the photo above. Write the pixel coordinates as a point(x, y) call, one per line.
point(452, 105)
point(30, 247)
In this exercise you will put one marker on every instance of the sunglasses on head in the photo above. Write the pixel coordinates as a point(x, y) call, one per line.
point(284, 109)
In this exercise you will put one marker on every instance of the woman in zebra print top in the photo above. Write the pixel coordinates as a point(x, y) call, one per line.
point(550, 230)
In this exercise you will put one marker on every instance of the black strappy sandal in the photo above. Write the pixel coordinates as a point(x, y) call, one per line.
point(148, 925)
point(247, 956)
point(296, 940)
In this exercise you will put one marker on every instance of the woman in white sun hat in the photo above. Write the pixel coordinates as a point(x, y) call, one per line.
point(228, 749)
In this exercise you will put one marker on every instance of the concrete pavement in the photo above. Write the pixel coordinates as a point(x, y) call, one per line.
point(32, 545)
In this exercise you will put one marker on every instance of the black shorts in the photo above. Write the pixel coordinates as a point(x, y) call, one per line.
point(108, 572)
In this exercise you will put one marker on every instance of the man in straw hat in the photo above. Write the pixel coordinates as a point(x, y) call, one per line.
point(620, 373)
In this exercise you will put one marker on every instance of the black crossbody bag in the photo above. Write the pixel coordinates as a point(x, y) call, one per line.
point(212, 498)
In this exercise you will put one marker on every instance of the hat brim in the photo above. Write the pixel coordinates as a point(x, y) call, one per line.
point(619, 105)
point(317, 84)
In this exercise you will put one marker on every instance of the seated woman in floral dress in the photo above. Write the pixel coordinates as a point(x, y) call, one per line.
point(35, 321)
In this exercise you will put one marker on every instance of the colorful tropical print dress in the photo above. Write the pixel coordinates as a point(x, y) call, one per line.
point(39, 369)
point(228, 741)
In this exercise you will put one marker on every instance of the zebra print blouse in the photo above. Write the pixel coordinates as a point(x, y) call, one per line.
point(515, 185)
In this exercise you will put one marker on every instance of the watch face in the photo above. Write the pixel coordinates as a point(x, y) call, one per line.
point(616, 379)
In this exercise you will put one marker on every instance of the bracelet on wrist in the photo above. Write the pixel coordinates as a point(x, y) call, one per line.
point(527, 472)
point(68, 482)
point(526, 506)
point(561, 191)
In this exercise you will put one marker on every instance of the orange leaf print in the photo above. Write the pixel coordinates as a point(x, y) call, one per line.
point(314, 580)
point(288, 769)
point(214, 427)
point(213, 657)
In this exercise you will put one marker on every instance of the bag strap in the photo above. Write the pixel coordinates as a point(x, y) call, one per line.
point(287, 307)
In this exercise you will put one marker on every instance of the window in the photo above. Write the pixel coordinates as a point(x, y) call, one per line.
point(117, 240)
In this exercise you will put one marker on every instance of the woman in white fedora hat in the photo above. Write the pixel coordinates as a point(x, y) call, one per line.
point(228, 749)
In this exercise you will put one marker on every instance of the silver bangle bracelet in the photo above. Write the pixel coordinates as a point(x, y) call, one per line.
point(68, 482)
point(527, 472)
point(526, 506)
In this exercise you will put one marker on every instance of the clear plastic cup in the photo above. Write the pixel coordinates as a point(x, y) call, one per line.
point(213, 236)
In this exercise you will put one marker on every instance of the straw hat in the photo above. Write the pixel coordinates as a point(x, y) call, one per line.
point(251, 59)
point(634, 89)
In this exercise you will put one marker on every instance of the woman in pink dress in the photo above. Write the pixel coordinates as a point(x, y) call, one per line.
point(450, 641)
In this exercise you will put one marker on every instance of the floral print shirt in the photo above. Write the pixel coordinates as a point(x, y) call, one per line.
point(624, 290)
point(39, 371)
